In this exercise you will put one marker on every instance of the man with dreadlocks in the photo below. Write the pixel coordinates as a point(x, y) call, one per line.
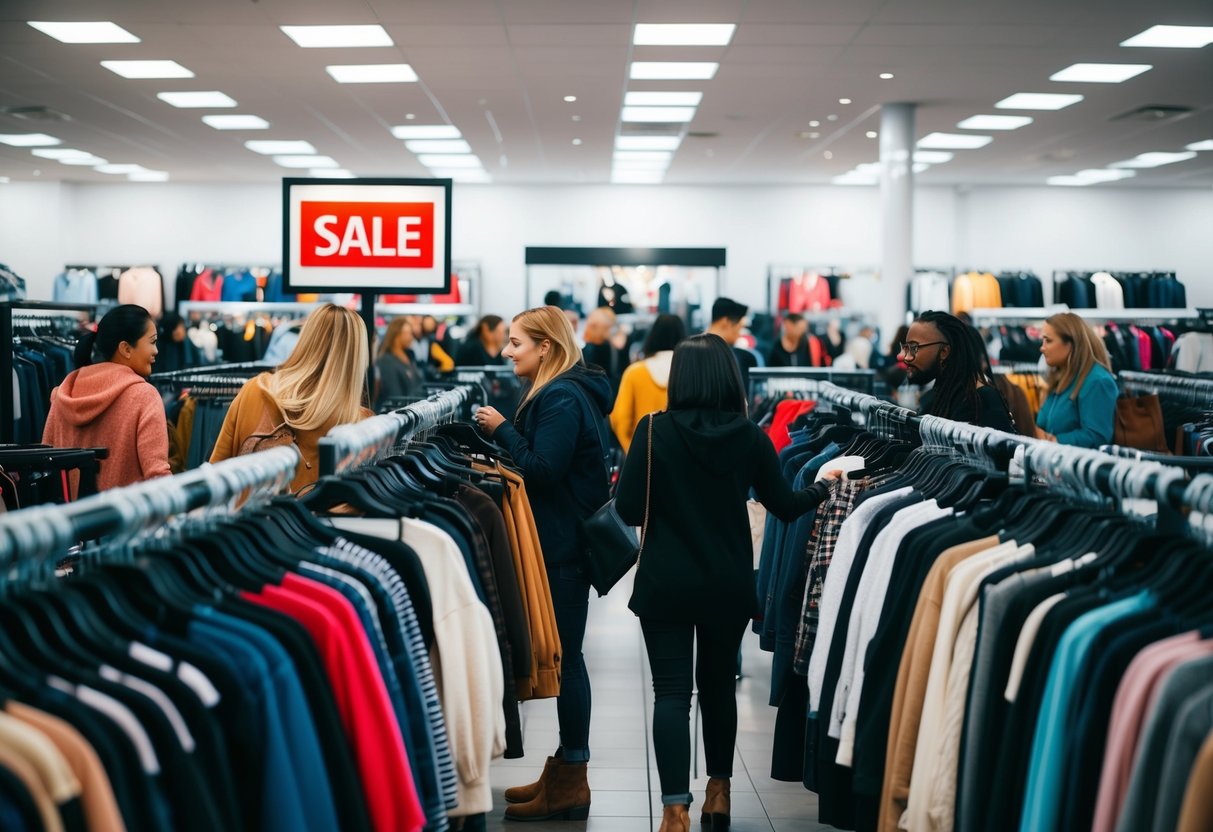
point(940, 348)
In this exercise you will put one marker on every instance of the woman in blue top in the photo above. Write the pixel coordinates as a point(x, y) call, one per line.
point(1081, 406)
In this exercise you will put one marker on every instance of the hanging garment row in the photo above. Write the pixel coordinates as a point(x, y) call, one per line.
point(1185, 406)
point(32, 475)
point(140, 285)
point(1119, 290)
point(42, 357)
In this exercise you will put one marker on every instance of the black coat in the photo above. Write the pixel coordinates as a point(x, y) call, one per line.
point(554, 441)
point(698, 556)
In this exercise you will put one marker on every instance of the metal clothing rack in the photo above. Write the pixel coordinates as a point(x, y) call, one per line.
point(211, 370)
point(1197, 392)
point(992, 316)
point(780, 379)
point(294, 308)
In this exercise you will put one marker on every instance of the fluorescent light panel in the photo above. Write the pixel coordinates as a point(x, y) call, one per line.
point(674, 70)
point(280, 148)
point(98, 31)
point(1174, 37)
point(995, 122)
point(1069, 181)
point(120, 169)
point(28, 140)
point(426, 131)
point(88, 160)
point(1155, 159)
point(147, 69)
point(640, 164)
point(658, 114)
point(320, 37)
point(1105, 175)
point(1038, 101)
point(306, 161)
point(953, 141)
point(1100, 73)
point(636, 177)
point(225, 122)
point(1207, 144)
point(60, 153)
point(933, 157)
point(438, 146)
point(196, 100)
point(662, 99)
point(647, 142)
point(149, 176)
point(372, 74)
point(683, 34)
point(643, 155)
point(449, 161)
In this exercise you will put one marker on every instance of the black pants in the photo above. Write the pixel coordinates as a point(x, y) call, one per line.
point(571, 602)
point(670, 647)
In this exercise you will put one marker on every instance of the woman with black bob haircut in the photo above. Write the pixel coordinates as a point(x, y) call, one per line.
point(695, 580)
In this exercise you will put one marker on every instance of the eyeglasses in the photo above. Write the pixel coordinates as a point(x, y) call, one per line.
point(911, 349)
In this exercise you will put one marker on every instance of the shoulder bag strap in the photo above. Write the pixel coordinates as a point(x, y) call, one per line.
point(648, 488)
point(604, 442)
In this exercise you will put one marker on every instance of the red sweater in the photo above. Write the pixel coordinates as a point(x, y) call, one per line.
point(108, 405)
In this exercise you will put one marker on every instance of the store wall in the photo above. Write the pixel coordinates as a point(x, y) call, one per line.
point(43, 226)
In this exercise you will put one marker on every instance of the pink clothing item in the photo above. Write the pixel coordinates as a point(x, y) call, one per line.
point(144, 287)
point(1133, 703)
point(809, 293)
point(1143, 348)
point(109, 405)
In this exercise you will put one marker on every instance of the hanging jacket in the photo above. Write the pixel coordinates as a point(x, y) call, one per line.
point(643, 390)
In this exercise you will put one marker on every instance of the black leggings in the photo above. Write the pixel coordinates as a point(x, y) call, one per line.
point(670, 646)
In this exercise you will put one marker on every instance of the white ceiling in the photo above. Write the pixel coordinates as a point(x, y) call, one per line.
point(499, 69)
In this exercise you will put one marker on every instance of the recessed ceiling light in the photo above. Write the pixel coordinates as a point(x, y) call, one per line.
point(658, 114)
point(662, 99)
point(122, 169)
point(317, 37)
point(332, 173)
point(831, 117)
point(147, 69)
point(674, 70)
point(462, 175)
point(886, 76)
point(61, 153)
point(1207, 144)
point(449, 161)
point(280, 148)
point(427, 131)
point(933, 157)
point(829, 154)
point(814, 123)
point(643, 156)
point(1104, 175)
point(995, 122)
point(28, 139)
point(99, 31)
point(149, 176)
point(647, 142)
point(1100, 73)
point(921, 167)
point(209, 98)
point(576, 118)
point(1154, 160)
point(88, 160)
point(637, 177)
point(306, 161)
point(570, 99)
point(953, 141)
point(1037, 101)
point(438, 146)
point(577, 142)
point(224, 122)
point(871, 134)
point(683, 34)
point(410, 116)
point(1175, 37)
point(372, 74)
point(844, 101)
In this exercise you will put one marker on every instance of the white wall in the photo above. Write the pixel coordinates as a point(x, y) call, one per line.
point(43, 226)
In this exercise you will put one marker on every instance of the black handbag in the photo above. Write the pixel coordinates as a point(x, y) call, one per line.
point(612, 543)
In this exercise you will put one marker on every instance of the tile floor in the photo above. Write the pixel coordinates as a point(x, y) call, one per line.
point(623, 772)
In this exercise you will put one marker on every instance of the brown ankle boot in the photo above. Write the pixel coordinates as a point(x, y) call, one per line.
point(564, 795)
point(676, 818)
point(717, 804)
point(522, 794)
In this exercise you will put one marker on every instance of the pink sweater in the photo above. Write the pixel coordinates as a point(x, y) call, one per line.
point(110, 406)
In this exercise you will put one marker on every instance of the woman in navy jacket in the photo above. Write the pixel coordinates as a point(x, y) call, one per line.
point(1081, 406)
point(554, 441)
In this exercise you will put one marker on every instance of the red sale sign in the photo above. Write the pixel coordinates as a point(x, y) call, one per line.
point(367, 234)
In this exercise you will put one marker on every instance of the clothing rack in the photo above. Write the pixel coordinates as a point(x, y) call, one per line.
point(238, 307)
point(783, 379)
point(351, 446)
point(253, 367)
point(1180, 389)
point(992, 316)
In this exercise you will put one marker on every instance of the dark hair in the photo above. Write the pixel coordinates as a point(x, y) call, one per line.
point(728, 308)
point(488, 323)
point(553, 298)
point(170, 321)
point(793, 318)
point(667, 332)
point(122, 324)
point(704, 376)
point(903, 332)
point(964, 370)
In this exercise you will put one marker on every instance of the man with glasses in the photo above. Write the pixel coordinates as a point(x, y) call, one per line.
point(941, 349)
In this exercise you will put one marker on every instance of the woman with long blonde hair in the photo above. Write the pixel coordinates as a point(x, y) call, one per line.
point(1081, 406)
point(556, 442)
point(321, 385)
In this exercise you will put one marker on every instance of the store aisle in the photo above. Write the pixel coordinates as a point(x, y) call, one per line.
point(623, 772)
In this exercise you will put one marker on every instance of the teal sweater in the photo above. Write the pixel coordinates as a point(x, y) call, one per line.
point(1087, 421)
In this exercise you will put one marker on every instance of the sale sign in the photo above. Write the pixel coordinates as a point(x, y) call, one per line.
point(381, 236)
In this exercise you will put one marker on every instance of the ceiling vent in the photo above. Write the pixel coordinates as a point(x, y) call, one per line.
point(702, 134)
point(1154, 113)
point(35, 114)
point(647, 128)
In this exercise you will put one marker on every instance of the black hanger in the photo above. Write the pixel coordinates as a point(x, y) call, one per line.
point(469, 438)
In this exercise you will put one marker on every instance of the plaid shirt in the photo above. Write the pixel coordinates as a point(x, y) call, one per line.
point(820, 551)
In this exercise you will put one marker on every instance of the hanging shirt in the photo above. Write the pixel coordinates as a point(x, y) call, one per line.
point(144, 287)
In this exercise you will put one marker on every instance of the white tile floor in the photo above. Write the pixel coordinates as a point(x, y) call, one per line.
point(623, 772)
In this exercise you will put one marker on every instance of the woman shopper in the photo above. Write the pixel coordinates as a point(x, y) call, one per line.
point(643, 387)
point(482, 347)
point(396, 373)
point(1080, 408)
point(107, 403)
point(695, 581)
point(555, 441)
point(319, 387)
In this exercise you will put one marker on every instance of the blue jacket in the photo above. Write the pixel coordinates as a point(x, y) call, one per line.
point(1087, 421)
point(555, 443)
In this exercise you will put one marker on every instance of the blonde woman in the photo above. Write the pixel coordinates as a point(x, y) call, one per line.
point(319, 387)
point(555, 441)
point(1081, 406)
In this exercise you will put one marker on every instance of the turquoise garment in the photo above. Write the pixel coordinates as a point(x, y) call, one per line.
point(1088, 421)
point(1046, 777)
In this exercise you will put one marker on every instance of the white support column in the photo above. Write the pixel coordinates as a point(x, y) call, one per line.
point(897, 212)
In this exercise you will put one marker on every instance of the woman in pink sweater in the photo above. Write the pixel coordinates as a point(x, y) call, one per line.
point(107, 402)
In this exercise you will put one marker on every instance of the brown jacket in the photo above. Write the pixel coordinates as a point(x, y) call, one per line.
point(1196, 815)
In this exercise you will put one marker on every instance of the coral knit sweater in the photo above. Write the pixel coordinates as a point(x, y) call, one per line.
point(108, 405)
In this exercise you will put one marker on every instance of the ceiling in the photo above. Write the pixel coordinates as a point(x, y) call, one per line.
point(499, 70)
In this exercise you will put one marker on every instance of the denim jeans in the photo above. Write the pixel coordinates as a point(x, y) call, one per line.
point(670, 645)
point(571, 601)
